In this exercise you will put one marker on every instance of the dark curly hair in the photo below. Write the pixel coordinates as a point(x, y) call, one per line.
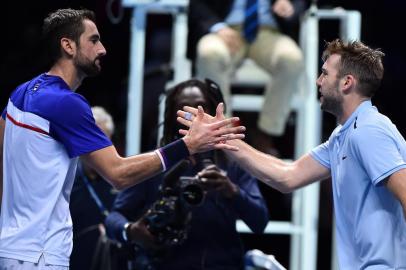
point(211, 93)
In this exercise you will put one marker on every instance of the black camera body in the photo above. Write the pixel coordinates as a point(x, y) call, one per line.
point(169, 217)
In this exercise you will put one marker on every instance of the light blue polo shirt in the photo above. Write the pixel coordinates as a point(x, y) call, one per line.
point(370, 225)
point(47, 128)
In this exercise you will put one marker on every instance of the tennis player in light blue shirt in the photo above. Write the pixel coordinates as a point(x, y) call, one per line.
point(364, 158)
point(361, 154)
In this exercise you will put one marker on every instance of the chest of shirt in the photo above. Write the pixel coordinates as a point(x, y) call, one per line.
point(349, 177)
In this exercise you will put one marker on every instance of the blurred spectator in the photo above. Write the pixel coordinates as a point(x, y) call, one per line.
point(223, 33)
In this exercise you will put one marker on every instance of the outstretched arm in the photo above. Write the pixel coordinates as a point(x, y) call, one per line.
point(281, 175)
point(202, 136)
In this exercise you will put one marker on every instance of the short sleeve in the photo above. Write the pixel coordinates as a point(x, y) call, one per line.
point(321, 154)
point(72, 124)
point(377, 151)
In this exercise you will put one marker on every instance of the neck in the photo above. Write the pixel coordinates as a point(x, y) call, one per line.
point(349, 106)
point(68, 72)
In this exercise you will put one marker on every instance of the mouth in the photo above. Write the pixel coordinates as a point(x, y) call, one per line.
point(319, 95)
point(98, 63)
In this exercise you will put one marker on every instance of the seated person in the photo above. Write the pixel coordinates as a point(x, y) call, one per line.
point(219, 41)
point(230, 194)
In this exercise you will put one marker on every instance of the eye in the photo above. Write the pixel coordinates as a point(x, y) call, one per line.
point(94, 39)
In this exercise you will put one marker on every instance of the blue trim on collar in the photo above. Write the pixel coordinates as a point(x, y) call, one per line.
point(362, 107)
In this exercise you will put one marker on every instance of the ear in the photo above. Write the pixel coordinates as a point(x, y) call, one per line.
point(68, 46)
point(347, 83)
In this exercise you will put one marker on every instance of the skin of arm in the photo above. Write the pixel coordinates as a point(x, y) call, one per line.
point(125, 172)
point(281, 175)
point(397, 185)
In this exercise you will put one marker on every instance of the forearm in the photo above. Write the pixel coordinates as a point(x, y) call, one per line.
point(268, 169)
point(125, 172)
point(281, 175)
point(135, 169)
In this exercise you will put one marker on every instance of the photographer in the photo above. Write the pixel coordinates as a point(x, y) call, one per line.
point(211, 240)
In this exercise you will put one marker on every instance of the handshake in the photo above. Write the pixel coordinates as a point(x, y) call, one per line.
point(206, 132)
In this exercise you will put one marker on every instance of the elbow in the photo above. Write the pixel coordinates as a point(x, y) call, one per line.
point(120, 178)
point(118, 186)
point(118, 183)
point(282, 186)
point(117, 180)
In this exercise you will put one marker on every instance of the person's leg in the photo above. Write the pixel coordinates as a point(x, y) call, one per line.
point(283, 59)
point(214, 61)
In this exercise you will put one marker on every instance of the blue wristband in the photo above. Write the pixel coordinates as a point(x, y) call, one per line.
point(172, 153)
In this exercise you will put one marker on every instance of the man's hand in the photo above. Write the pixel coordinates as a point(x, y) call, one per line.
point(283, 8)
point(186, 116)
point(213, 178)
point(232, 39)
point(206, 132)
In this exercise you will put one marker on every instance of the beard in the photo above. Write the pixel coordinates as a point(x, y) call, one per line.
point(88, 67)
point(332, 103)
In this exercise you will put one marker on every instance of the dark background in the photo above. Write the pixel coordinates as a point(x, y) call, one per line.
point(22, 58)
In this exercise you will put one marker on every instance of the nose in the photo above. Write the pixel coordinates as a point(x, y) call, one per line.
point(101, 51)
point(318, 81)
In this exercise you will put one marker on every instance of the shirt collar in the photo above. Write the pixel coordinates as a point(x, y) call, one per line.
point(353, 117)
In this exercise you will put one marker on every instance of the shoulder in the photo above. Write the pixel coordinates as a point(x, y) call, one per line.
point(371, 128)
point(17, 96)
point(371, 122)
point(57, 92)
point(49, 97)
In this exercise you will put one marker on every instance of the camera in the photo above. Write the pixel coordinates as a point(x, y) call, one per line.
point(168, 218)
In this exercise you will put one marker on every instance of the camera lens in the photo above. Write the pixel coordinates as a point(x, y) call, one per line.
point(193, 194)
